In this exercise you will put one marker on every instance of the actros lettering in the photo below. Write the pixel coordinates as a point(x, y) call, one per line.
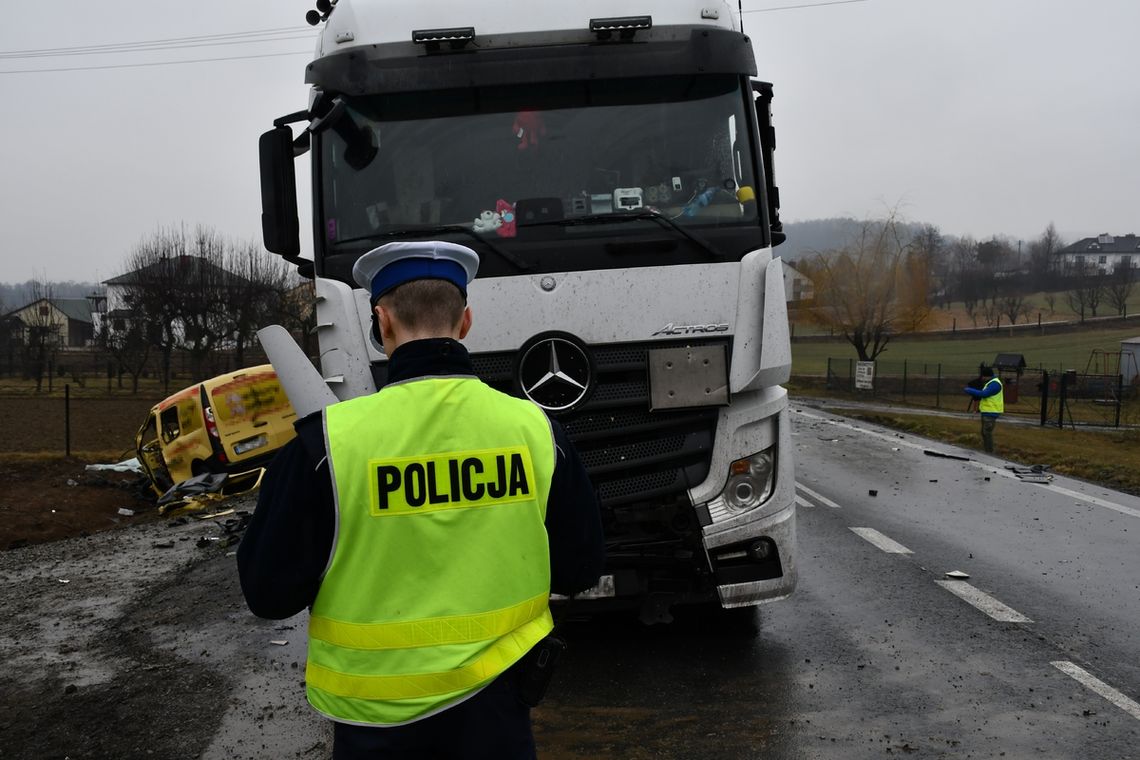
point(674, 329)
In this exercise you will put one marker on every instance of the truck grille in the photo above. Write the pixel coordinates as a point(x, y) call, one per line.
point(632, 455)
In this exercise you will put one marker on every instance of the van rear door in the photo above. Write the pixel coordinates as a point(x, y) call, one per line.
point(252, 413)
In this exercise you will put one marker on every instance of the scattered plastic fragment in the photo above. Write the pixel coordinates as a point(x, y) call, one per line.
point(278, 642)
point(957, 575)
point(207, 482)
point(872, 492)
point(212, 515)
point(126, 512)
point(64, 580)
point(943, 455)
point(127, 465)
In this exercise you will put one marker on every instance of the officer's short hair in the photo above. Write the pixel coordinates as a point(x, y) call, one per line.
point(426, 305)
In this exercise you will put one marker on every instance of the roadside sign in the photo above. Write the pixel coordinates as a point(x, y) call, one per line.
point(864, 376)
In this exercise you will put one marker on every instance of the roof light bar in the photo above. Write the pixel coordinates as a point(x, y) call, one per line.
point(456, 37)
point(625, 26)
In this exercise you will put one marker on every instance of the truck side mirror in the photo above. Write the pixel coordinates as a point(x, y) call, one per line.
point(280, 227)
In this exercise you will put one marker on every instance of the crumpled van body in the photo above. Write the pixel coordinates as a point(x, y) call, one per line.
point(232, 423)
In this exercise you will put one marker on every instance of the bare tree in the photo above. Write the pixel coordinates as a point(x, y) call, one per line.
point(1119, 287)
point(259, 292)
point(1042, 257)
point(1086, 291)
point(1014, 307)
point(129, 342)
point(149, 293)
point(858, 288)
point(207, 300)
point(41, 331)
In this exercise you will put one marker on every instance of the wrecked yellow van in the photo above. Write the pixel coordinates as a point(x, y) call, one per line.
point(231, 423)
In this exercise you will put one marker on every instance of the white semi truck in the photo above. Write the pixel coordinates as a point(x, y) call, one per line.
point(611, 162)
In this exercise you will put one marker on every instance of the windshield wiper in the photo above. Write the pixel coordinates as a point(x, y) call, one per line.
point(502, 253)
point(628, 216)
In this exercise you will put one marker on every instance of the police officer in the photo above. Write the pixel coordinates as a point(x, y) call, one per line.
point(991, 404)
point(426, 526)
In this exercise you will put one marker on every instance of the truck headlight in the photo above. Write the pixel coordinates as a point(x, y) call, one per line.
point(750, 483)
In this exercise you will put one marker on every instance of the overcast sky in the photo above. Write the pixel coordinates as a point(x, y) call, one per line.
point(980, 116)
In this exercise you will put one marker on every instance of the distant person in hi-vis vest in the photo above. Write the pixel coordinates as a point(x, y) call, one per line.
point(991, 403)
point(425, 526)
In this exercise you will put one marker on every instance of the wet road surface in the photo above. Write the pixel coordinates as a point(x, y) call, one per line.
point(878, 654)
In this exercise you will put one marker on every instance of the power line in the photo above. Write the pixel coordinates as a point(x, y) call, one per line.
point(154, 63)
point(805, 5)
point(142, 44)
point(181, 46)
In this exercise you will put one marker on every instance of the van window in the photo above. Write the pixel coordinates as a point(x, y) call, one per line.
point(169, 424)
point(189, 416)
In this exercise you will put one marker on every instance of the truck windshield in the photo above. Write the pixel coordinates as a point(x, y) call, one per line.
point(517, 166)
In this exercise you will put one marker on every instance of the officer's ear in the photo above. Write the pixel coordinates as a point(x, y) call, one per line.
point(382, 324)
point(465, 323)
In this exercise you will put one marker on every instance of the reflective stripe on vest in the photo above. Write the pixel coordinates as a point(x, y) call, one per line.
point(994, 404)
point(440, 574)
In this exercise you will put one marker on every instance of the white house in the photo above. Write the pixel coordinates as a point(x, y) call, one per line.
point(58, 322)
point(797, 285)
point(1103, 254)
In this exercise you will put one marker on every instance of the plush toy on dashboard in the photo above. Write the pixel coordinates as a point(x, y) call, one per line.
point(488, 221)
point(528, 127)
point(506, 212)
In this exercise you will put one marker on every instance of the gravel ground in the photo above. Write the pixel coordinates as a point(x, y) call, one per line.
point(136, 643)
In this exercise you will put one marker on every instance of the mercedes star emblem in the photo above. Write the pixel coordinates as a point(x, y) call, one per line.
point(555, 373)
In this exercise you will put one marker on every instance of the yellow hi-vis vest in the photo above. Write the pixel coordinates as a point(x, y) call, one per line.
point(994, 404)
point(439, 578)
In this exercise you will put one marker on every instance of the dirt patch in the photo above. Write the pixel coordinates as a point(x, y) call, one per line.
point(49, 498)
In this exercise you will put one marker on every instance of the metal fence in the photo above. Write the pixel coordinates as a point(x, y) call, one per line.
point(92, 369)
point(1052, 397)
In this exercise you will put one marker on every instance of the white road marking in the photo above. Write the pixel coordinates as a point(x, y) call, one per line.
point(818, 497)
point(1090, 681)
point(988, 469)
point(889, 545)
point(984, 602)
point(801, 501)
point(1094, 500)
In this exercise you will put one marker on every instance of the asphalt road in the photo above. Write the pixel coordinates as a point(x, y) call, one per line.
point(878, 654)
point(137, 643)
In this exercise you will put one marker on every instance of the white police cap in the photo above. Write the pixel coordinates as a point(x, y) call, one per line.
point(393, 264)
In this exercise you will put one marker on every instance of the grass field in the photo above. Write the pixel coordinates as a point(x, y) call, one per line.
point(1070, 350)
point(955, 314)
point(1115, 465)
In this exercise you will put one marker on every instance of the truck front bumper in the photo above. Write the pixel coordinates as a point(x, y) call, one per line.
point(760, 565)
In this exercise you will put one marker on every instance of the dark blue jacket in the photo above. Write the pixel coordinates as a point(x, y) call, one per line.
point(287, 544)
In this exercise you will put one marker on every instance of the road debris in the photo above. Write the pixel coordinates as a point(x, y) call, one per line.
point(957, 575)
point(214, 515)
point(279, 642)
point(1035, 473)
point(126, 512)
point(127, 465)
point(944, 455)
